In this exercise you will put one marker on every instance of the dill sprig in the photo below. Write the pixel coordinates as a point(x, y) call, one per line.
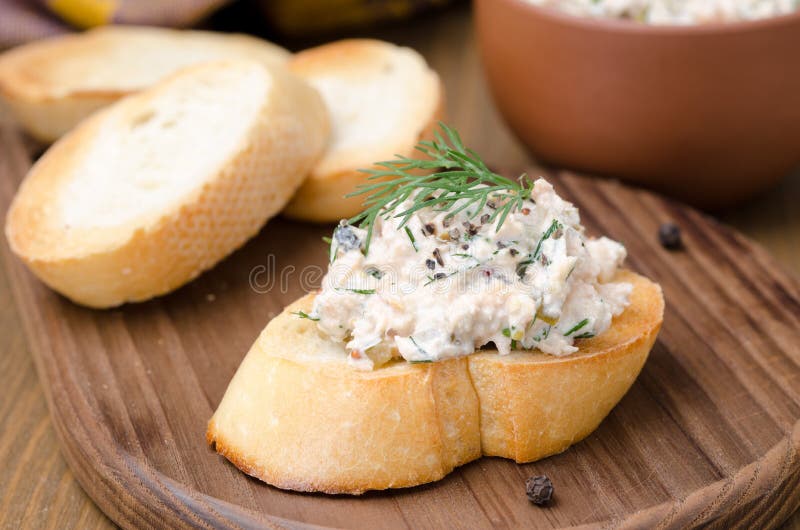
point(303, 314)
point(449, 177)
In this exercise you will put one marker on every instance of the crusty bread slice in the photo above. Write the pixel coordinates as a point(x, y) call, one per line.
point(51, 85)
point(382, 100)
point(148, 193)
point(297, 416)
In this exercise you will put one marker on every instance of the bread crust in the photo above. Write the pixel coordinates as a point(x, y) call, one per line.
point(297, 417)
point(321, 198)
point(48, 99)
point(104, 266)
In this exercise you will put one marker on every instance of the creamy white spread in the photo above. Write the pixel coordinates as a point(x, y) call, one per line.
point(675, 12)
point(442, 286)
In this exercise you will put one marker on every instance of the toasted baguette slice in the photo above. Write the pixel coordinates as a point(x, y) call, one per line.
point(382, 100)
point(298, 417)
point(51, 85)
point(146, 194)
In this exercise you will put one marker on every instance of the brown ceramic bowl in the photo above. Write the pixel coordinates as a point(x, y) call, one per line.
point(709, 114)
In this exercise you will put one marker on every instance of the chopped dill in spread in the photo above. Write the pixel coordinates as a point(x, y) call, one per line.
point(303, 314)
point(411, 237)
point(356, 291)
point(576, 327)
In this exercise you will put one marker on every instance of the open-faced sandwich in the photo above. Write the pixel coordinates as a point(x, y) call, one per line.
point(463, 314)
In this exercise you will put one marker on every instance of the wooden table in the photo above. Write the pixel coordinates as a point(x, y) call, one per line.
point(37, 489)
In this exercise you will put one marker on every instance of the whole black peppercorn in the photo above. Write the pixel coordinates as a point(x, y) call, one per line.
point(669, 235)
point(539, 490)
point(345, 238)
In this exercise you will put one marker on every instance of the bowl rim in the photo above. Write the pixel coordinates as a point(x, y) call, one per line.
point(638, 28)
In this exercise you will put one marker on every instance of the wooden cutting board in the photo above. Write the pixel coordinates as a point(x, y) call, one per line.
point(708, 435)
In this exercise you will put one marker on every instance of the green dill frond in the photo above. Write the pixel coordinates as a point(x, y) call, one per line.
point(454, 173)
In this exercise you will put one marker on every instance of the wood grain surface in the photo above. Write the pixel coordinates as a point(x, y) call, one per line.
point(37, 490)
point(709, 434)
